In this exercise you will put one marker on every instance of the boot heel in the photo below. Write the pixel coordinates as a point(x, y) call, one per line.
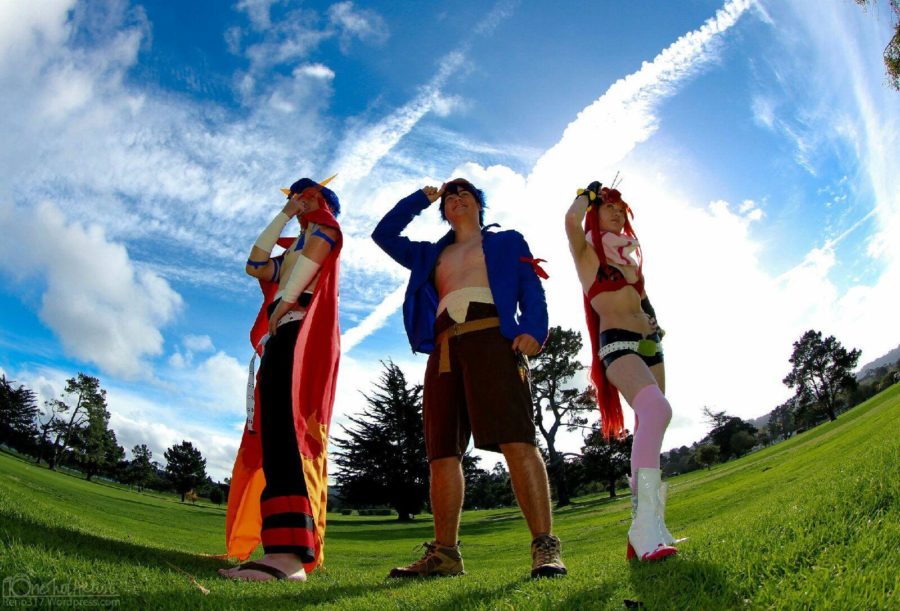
point(630, 553)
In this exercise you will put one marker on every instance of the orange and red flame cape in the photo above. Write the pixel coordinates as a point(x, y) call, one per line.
point(316, 356)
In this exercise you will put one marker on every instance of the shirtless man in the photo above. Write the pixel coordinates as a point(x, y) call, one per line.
point(286, 433)
point(461, 307)
point(628, 355)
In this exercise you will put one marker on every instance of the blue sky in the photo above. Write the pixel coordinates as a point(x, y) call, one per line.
point(144, 145)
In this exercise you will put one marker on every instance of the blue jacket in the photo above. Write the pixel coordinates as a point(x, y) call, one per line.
point(514, 284)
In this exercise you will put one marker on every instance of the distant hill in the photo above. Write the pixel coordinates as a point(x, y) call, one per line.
point(888, 359)
point(762, 421)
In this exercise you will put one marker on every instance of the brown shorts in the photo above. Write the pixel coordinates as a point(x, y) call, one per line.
point(483, 395)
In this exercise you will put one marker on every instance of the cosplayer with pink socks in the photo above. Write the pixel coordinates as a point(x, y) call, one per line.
point(652, 413)
point(648, 537)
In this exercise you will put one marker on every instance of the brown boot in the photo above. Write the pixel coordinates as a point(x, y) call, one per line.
point(545, 560)
point(438, 561)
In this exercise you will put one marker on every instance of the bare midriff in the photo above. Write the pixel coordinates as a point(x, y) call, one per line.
point(621, 310)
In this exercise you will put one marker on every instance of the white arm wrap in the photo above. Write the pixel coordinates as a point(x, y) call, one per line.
point(268, 237)
point(304, 271)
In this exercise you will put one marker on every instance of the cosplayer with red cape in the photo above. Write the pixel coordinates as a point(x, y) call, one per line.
point(625, 339)
point(279, 485)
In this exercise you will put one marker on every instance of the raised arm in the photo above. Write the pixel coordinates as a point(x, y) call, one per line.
point(575, 216)
point(387, 233)
point(259, 263)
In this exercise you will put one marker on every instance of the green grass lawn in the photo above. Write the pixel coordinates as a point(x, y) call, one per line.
point(812, 522)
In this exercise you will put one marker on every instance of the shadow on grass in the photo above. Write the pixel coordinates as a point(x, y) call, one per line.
point(680, 582)
point(73, 542)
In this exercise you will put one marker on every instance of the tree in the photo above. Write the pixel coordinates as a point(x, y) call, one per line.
point(723, 431)
point(486, 489)
point(606, 460)
point(822, 368)
point(707, 455)
point(891, 53)
point(551, 375)
point(72, 411)
point(781, 421)
point(185, 466)
point(18, 412)
point(741, 442)
point(140, 470)
point(382, 459)
point(95, 448)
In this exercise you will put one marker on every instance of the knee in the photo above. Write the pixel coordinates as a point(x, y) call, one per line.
point(651, 405)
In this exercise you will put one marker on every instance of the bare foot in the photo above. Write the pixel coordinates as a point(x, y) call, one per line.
point(269, 567)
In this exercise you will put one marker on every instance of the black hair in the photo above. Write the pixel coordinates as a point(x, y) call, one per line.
point(461, 184)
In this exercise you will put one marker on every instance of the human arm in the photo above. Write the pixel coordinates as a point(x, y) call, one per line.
point(387, 233)
point(647, 307)
point(259, 263)
point(304, 272)
point(575, 215)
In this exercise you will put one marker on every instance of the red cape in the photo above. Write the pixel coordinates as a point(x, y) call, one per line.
point(313, 387)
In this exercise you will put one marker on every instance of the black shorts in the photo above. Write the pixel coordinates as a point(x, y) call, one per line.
point(486, 394)
point(621, 335)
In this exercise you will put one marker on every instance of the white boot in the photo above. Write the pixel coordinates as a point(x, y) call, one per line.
point(667, 537)
point(645, 539)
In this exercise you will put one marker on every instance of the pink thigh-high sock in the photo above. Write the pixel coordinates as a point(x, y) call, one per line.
point(652, 413)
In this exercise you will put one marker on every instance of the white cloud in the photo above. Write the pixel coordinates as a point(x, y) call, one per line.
point(197, 343)
point(101, 308)
point(367, 25)
point(373, 321)
point(319, 71)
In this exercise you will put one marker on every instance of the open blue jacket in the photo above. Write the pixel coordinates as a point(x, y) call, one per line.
point(514, 283)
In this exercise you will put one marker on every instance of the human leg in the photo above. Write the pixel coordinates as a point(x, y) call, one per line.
point(648, 537)
point(288, 534)
point(442, 557)
point(446, 435)
point(447, 490)
point(529, 481)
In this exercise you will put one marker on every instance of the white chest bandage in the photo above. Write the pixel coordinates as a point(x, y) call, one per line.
point(457, 302)
point(251, 377)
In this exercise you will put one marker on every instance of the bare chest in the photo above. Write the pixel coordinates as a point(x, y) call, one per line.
point(461, 265)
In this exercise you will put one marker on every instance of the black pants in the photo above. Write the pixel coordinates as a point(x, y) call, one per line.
point(288, 525)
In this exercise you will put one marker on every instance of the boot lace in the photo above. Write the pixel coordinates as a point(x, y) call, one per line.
point(423, 562)
point(546, 551)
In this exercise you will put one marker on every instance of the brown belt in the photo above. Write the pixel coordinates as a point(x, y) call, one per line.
point(443, 339)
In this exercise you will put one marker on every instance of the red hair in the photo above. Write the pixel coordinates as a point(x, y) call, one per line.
point(611, 419)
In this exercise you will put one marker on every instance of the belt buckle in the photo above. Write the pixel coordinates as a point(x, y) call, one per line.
point(647, 347)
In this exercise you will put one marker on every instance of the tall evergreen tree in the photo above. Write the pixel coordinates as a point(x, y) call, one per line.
point(70, 413)
point(18, 412)
point(556, 403)
point(95, 448)
point(185, 466)
point(382, 459)
point(141, 469)
point(822, 368)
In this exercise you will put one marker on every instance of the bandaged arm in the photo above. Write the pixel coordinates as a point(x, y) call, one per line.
point(305, 269)
point(262, 249)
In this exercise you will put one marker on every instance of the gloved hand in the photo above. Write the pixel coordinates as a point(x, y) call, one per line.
point(592, 192)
